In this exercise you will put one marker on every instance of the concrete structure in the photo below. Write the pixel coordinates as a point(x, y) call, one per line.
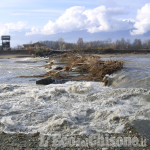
point(5, 42)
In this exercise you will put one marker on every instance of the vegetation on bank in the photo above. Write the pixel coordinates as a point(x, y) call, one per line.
point(95, 47)
point(47, 48)
point(121, 44)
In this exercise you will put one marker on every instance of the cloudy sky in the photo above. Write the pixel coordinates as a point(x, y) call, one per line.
point(36, 20)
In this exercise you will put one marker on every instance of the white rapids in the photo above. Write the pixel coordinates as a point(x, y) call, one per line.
point(70, 108)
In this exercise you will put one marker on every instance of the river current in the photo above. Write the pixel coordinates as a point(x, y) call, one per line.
point(72, 107)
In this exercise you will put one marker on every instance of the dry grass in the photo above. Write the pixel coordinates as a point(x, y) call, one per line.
point(99, 69)
point(92, 66)
point(96, 68)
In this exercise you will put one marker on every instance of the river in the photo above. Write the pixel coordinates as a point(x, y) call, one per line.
point(73, 107)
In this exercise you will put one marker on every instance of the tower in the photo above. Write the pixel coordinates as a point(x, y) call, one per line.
point(5, 42)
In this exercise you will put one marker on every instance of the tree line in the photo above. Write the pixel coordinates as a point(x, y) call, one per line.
point(121, 44)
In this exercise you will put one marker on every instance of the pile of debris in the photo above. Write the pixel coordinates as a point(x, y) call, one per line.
point(81, 68)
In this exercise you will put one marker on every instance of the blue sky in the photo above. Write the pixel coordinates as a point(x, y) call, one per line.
point(37, 20)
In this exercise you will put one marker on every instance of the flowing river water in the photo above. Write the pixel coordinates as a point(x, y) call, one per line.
point(72, 107)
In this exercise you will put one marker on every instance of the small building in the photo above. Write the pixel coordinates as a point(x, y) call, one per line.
point(34, 46)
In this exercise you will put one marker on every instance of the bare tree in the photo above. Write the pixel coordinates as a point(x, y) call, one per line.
point(80, 43)
point(146, 44)
point(137, 44)
point(60, 41)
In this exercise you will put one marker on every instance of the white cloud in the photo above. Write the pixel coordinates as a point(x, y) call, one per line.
point(45, 11)
point(34, 30)
point(78, 18)
point(36, 11)
point(7, 28)
point(97, 19)
point(142, 23)
point(15, 26)
point(20, 14)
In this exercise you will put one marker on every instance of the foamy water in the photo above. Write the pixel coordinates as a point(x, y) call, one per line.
point(136, 72)
point(70, 108)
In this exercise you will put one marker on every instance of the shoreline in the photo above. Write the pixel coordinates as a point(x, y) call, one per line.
point(8, 56)
point(103, 140)
point(15, 55)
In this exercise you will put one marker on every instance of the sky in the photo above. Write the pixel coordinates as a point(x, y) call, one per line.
point(38, 20)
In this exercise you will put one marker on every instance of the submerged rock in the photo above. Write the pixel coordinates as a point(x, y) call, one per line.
point(59, 68)
point(50, 80)
point(45, 81)
point(116, 118)
point(106, 80)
